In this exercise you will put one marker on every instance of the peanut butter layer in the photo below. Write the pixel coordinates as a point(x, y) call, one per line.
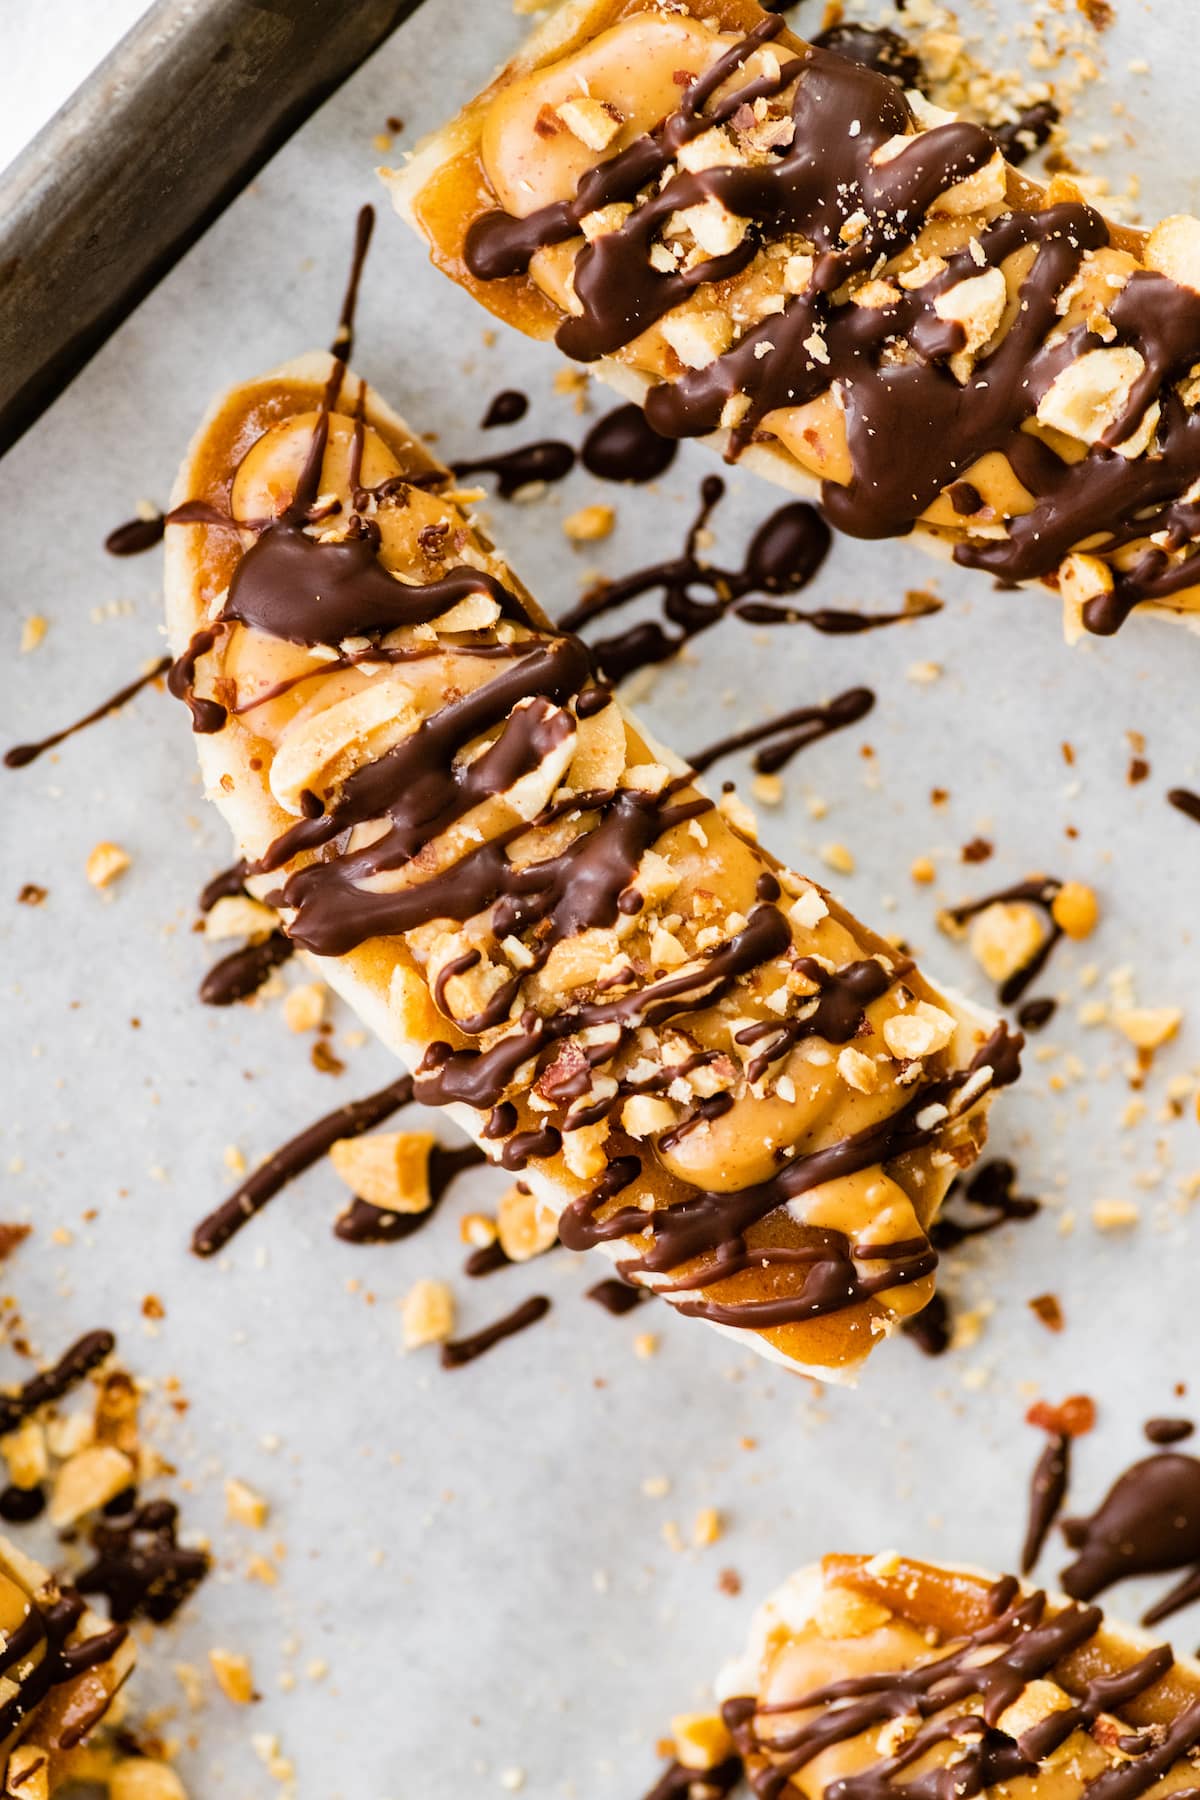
point(775, 247)
point(702, 1062)
point(867, 1678)
point(60, 1667)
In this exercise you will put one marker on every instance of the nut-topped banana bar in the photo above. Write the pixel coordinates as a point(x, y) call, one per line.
point(702, 1063)
point(60, 1668)
point(871, 1678)
point(776, 248)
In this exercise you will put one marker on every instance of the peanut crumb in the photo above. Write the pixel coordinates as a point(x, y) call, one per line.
point(235, 1678)
point(105, 862)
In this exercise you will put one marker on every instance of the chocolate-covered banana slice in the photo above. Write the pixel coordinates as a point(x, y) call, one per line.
point(698, 1059)
point(773, 247)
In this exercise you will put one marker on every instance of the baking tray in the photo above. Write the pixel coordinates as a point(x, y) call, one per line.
point(473, 1555)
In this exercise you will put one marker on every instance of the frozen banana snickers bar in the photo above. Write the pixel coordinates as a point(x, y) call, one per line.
point(779, 250)
point(698, 1059)
point(60, 1667)
point(870, 1678)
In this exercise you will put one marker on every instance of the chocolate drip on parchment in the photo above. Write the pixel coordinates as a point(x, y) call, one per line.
point(364, 1223)
point(139, 1566)
point(784, 555)
point(990, 1188)
point(624, 446)
point(547, 460)
point(1184, 801)
point(841, 115)
point(21, 755)
point(792, 731)
point(1167, 1431)
point(460, 1351)
point(1040, 891)
point(678, 1783)
point(617, 1296)
point(1147, 1524)
point(991, 1667)
point(241, 973)
point(505, 409)
point(135, 536)
point(343, 337)
point(293, 1158)
point(86, 1354)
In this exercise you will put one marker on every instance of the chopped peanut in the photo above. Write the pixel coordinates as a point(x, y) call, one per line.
point(589, 524)
point(235, 1678)
point(1148, 1027)
point(105, 862)
point(526, 1226)
point(89, 1481)
point(1075, 909)
point(304, 1006)
point(388, 1169)
point(427, 1314)
point(243, 1505)
point(701, 1740)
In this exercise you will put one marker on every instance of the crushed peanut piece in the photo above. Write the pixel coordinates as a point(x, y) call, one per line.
point(105, 862)
point(235, 1678)
point(427, 1314)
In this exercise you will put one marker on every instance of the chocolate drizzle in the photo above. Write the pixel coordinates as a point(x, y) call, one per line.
point(139, 1566)
point(21, 755)
point(783, 556)
point(363, 1223)
point(135, 536)
point(461, 1351)
point(1040, 891)
point(51, 1384)
point(794, 731)
point(1047, 1491)
point(1147, 1524)
point(624, 446)
point(1184, 801)
point(990, 1668)
point(823, 174)
point(991, 1189)
point(506, 408)
point(618, 1296)
point(343, 337)
point(241, 973)
point(547, 460)
point(292, 1159)
point(678, 1783)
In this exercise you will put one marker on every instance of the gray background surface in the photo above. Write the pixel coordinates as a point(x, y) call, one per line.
point(473, 1554)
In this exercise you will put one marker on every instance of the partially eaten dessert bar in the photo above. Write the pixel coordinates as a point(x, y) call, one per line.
point(60, 1668)
point(868, 1678)
point(702, 1063)
point(848, 288)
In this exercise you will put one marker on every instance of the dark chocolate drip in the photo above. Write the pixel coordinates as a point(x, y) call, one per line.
point(838, 1014)
point(135, 536)
point(1184, 801)
point(795, 731)
point(618, 1296)
point(1168, 1431)
point(930, 1329)
point(293, 1158)
point(1040, 891)
point(506, 408)
point(1019, 138)
point(486, 1260)
point(1047, 1491)
point(547, 460)
point(873, 47)
point(364, 1223)
point(139, 1566)
point(991, 1189)
point(1147, 1524)
point(47, 1626)
point(224, 885)
point(624, 446)
point(21, 755)
point(343, 337)
point(825, 173)
point(678, 1783)
point(464, 1350)
point(51, 1384)
point(241, 973)
point(1032, 1015)
point(784, 555)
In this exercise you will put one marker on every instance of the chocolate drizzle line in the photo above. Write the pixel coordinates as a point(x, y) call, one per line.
point(1047, 1491)
point(241, 973)
point(135, 536)
point(617, 1296)
point(992, 1665)
point(1147, 1524)
point(794, 730)
point(465, 1350)
point(624, 446)
point(505, 409)
point(363, 1223)
point(139, 1566)
point(343, 337)
point(678, 1783)
point(841, 115)
point(1184, 801)
point(1040, 891)
point(784, 555)
point(51, 1384)
point(21, 755)
point(1168, 1431)
point(547, 460)
point(292, 1159)
point(991, 1189)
